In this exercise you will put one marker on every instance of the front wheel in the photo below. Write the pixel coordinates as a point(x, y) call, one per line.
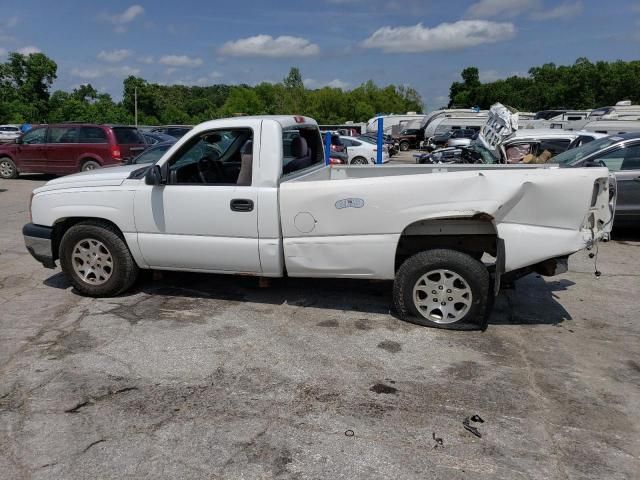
point(96, 260)
point(8, 169)
point(404, 146)
point(359, 161)
point(442, 288)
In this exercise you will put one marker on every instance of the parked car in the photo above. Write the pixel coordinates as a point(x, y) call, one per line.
point(69, 148)
point(621, 155)
point(153, 153)
point(409, 138)
point(511, 149)
point(438, 141)
point(157, 137)
point(8, 133)
point(388, 140)
point(424, 228)
point(461, 137)
point(364, 151)
point(175, 131)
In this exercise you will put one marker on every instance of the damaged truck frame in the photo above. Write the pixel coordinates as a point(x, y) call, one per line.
point(251, 195)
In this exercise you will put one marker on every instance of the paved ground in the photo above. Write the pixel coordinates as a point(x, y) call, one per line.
point(194, 376)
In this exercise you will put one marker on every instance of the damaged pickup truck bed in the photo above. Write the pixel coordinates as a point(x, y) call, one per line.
point(251, 195)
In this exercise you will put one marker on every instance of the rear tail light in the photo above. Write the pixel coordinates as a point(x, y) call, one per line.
point(335, 161)
point(115, 152)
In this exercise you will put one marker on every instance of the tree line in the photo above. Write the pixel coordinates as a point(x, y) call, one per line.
point(583, 85)
point(26, 81)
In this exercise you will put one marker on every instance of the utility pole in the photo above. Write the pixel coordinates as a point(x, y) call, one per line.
point(135, 103)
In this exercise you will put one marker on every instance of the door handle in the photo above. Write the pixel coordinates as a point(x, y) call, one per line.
point(637, 179)
point(241, 205)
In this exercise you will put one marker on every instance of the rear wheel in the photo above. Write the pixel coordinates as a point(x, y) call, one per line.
point(96, 260)
point(8, 169)
point(404, 146)
point(442, 288)
point(359, 161)
point(90, 165)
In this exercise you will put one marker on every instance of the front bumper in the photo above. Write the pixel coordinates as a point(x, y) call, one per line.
point(38, 240)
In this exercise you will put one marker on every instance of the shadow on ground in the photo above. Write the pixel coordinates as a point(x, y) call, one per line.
point(532, 301)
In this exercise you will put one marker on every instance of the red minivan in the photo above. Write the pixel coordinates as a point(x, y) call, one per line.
point(69, 148)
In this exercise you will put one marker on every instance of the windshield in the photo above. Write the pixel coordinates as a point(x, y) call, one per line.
point(571, 157)
point(152, 155)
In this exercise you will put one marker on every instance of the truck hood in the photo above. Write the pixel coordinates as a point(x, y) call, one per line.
point(101, 177)
point(500, 125)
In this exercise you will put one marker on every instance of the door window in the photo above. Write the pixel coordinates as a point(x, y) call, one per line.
point(631, 158)
point(63, 134)
point(219, 157)
point(35, 136)
point(613, 160)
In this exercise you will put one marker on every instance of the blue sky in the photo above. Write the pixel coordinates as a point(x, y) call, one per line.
point(343, 43)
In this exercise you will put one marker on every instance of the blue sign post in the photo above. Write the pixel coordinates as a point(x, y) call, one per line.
point(327, 148)
point(380, 137)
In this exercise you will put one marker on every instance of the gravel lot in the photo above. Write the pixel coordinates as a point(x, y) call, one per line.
point(196, 376)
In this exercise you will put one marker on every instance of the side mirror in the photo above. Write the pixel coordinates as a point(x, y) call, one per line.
point(153, 176)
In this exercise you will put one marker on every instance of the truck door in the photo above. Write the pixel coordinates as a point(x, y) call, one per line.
point(625, 164)
point(205, 216)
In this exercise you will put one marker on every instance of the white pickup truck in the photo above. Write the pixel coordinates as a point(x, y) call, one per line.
point(251, 195)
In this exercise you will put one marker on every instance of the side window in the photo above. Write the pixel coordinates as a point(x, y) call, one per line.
point(554, 146)
point(301, 148)
point(93, 135)
point(217, 157)
point(613, 160)
point(347, 142)
point(35, 136)
point(63, 134)
point(631, 158)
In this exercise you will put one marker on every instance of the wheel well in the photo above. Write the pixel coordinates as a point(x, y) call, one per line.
point(474, 236)
point(62, 225)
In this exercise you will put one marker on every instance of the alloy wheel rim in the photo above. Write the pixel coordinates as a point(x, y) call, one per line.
point(6, 169)
point(442, 296)
point(92, 261)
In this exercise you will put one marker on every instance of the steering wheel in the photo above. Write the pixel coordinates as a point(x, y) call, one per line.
point(208, 167)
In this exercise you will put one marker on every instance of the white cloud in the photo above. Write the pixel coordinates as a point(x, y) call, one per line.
point(87, 73)
point(215, 75)
point(170, 71)
point(121, 20)
point(92, 73)
point(125, 17)
point(148, 60)
point(28, 50)
point(564, 10)
point(114, 56)
point(267, 46)
point(335, 83)
point(3, 52)
point(180, 61)
point(508, 8)
point(445, 36)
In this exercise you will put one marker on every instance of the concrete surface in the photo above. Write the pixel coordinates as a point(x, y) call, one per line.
point(195, 376)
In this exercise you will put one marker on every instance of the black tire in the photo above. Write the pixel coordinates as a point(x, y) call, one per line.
point(359, 161)
point(88, 165)
point(471, 271)
point(124, 272)
point(404, 146)
point(8, 169)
